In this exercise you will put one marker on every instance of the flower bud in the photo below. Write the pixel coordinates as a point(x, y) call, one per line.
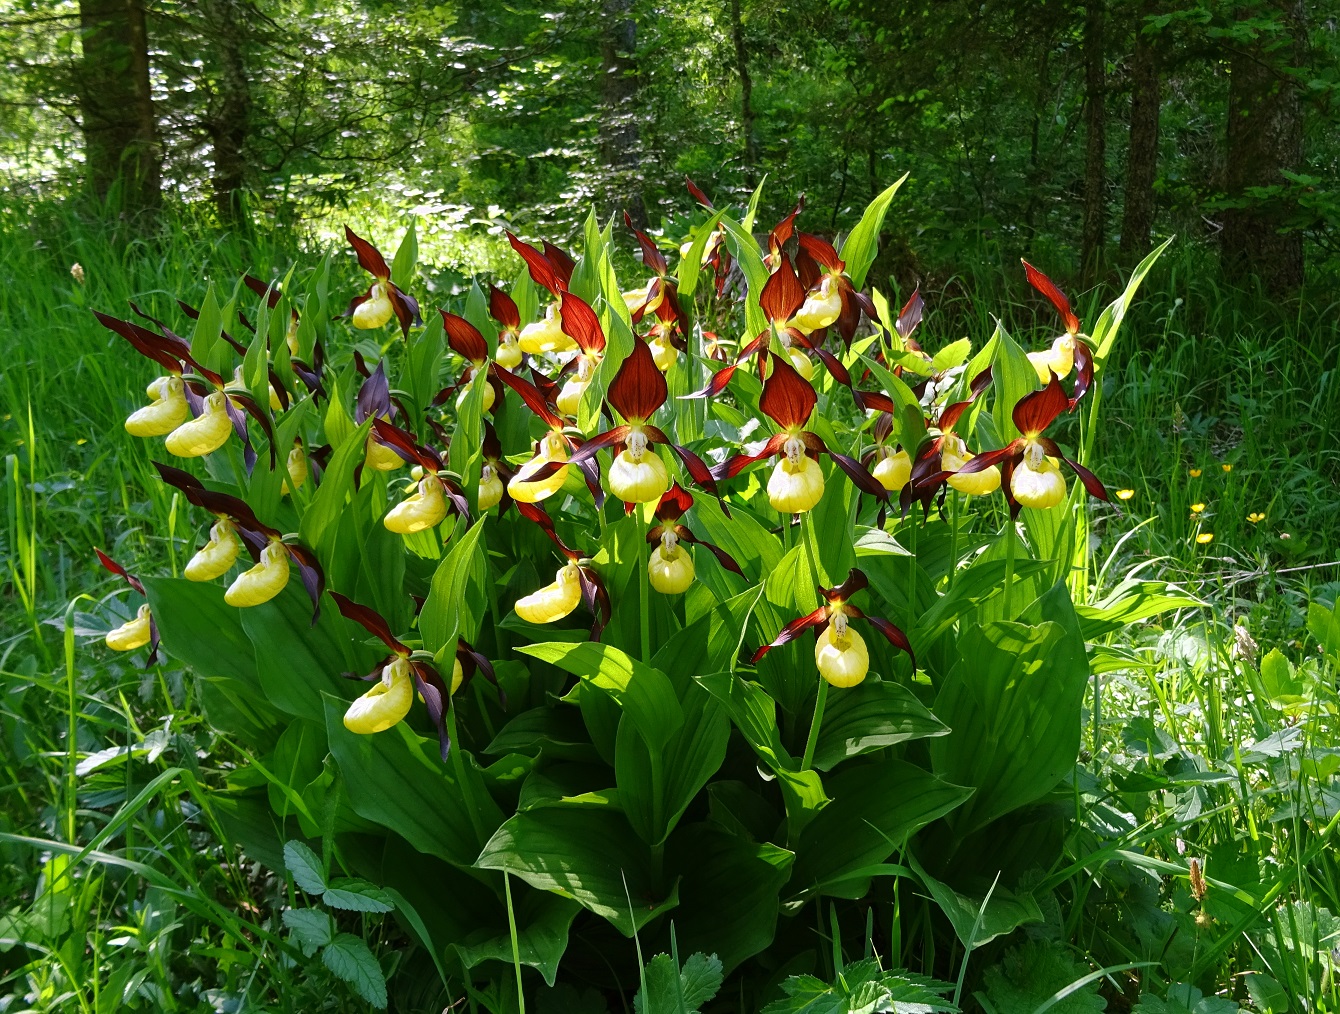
point(490, 488)
point(840, 655)
point(638, 475)
point(262, 582)
point(385, 704)
point(893, 469)
point(238, 384)
point(422, 509)
point(291, 337)
point(509, 352)
point(132, 634)
point(218, 555)
point(296, 465)
point(204, 434)
point(374, 311)
point(663, 353)
point(796, 484)
point(821, 308)
point(545, 335)
point(168, 410)
point(457, 677)
point(554, 601)
point(800, 363)
point(1037, 482)
point(527, 490)
point(954, 456)
point(670, 569)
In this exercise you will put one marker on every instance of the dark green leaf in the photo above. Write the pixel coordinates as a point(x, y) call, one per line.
point(305, 866)
point(872, 715)
point(349, 958)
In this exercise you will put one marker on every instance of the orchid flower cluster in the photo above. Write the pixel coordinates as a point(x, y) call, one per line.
point(568, 404)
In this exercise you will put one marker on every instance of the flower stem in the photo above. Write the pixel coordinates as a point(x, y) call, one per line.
point(1011, 536)
point(516, 949)
point(644, 617)
point(820, 699)
point(953, 536)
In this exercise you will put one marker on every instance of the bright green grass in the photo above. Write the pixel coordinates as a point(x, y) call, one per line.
point(1198, 384)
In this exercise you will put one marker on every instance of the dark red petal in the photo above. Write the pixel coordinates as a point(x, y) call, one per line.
point(697, 194)
point(652, 257)
point(856, 581)
point(873, 401)
point(253, 409)
point(436, 699)
point(492, 446)
point(1035, 411)
point(673, 503)
point(590, 470)
point(782, 294)
point(464, 338)
point(911, 314)
point(715, 384)
point(531, 395)
point(166, 352)
point(268, 291)
point(849, 318)
point(119, 571)
point(736, 464)
point(503, 309)
point(369, 258)
point(580, 323)
point(1058, 298)
point(892, 634)
point(1083, 371)
point(374, 397)
point(862, 479)
point(834, 366)
point(784, 229)
point(698, 471)
point(808, 270)
point(406, 309)
point(563, 264)
point(791, 631)
point(589, 449)
point(787, 398)
point(403, 443)
point(821, 250)
point(597, 600)
point(639, 388)
point(1090, 480)
point(724, 558)
point(981, 462)
point(541, 270)
point(369, 619)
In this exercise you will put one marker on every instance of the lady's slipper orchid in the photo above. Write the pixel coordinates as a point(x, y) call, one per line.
point(637, 474)
point(435, 493)
point(664, 338)
point(780, 300)
point(383, 300)
point(467, 342)
point(296, 466)
point(670, 568)
point(217, 556)
point(374, 402)
point(940, 455)
point(494, 473)
point(215, 412)
point(141, 629)
point(797, 483)
point(833, 300)
point(840, 653)
point(503, 309)
point(404, 674)
point(552, 270)
point(715, 254)
point(165, 413)
point(661, 289)
point(580, 323)
point(780, 235)
point(274, 553)
point(544, 474)
point(576, 581)
point(1030, 477)
point(1070, 350)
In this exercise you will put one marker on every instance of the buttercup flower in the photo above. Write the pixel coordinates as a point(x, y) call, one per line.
point(1204, 538)
point(1125, 494)
point(1194, 472)
point(1256, 517)
point(1196, 508)
point(840, 653)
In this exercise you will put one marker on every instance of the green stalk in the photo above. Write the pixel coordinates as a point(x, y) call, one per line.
point(516, 947)
point(1011, 536)
point(953, 536)
point(644, 613)
point(819, 701)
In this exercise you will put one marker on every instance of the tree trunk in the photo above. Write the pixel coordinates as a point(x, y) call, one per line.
point(226, 22)
point(619, 143)
point(1093, 232)
point(1142, 153)
point(116, 105)
point(1265, 137)
point(746, 96)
